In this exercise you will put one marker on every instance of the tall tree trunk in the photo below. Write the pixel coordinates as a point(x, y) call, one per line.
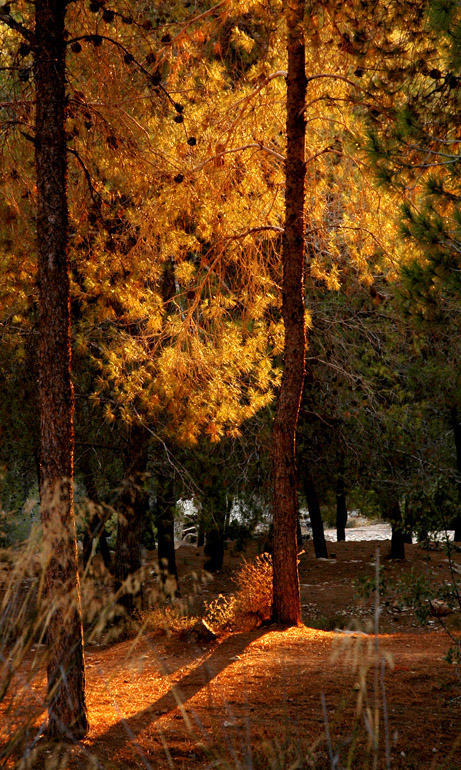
point(456, 425)
point(95, 525)
point(341, 507)
point(201, 530)
point(318, 534)
point(132, 505)
point(286, 605)
point(398, 535)
point(164, 519)
point(217, 506)
point(408, 533)
point(67, 715)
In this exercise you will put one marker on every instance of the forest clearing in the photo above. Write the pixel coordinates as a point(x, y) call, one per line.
point(253, 698)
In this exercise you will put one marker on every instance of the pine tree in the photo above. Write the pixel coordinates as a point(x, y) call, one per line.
point(65, 665)
point(286, 607)
point(414, 148)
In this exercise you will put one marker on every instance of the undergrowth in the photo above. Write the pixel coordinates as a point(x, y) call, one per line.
point(420, 591)
point(250, 605)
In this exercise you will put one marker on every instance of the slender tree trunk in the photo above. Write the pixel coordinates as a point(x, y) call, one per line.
point(164, 519)
point(299, 534)
point(456, 425)
point(214, 548)
point(286, 605)
point(95, 525)
point(67, 716)
point(217, 506)
point(408, 533)
point(398, 536)
point(201, 531)
point(132, 506)
point(166, 498)
point(318, 534)
point(341, 508)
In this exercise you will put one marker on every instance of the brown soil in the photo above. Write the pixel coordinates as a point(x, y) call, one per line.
point(269, 697)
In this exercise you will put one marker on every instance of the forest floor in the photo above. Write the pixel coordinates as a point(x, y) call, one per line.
point(328, 694)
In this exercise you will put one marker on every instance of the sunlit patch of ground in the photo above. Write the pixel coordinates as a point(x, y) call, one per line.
point(268, 685)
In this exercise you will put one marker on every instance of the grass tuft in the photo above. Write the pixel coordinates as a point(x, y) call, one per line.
point(250, 605)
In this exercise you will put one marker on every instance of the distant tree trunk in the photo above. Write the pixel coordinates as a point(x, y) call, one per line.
point(318, 534)
point(299, 534)
point(95, 526)
point(456, 425)
point(164, 519)
point(286, 604)
point(341, 508)
point(217, 510)
point(201, 531)
point(214, 548)
point(67, 715)
point(133, 502)
point(408, 534)
point(398, 536)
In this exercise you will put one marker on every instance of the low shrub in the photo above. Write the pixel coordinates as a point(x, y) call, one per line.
point(251, 603)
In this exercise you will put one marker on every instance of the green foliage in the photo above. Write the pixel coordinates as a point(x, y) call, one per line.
point(432, 506)
point(417, 591)
point(366, 586)
point(16, 525)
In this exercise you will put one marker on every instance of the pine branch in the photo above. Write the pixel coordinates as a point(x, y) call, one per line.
point(9, 21)
point(95, 196)
point(129, 58)
point(252, 145)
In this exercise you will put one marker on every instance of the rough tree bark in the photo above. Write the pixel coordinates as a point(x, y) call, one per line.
point(286, 604)
point(456, 425)
point(67, 716)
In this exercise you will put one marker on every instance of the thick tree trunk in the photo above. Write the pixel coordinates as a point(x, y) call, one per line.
point(318, 534)
point(164, 519)
point(67, 716)
point(341, 508)
point(132, 505)
point(286, 605)
point(456, 425)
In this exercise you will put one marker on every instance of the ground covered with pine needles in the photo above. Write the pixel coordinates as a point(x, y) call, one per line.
point(329, 694)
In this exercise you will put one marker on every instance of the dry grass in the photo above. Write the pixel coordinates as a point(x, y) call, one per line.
point(250, 605)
